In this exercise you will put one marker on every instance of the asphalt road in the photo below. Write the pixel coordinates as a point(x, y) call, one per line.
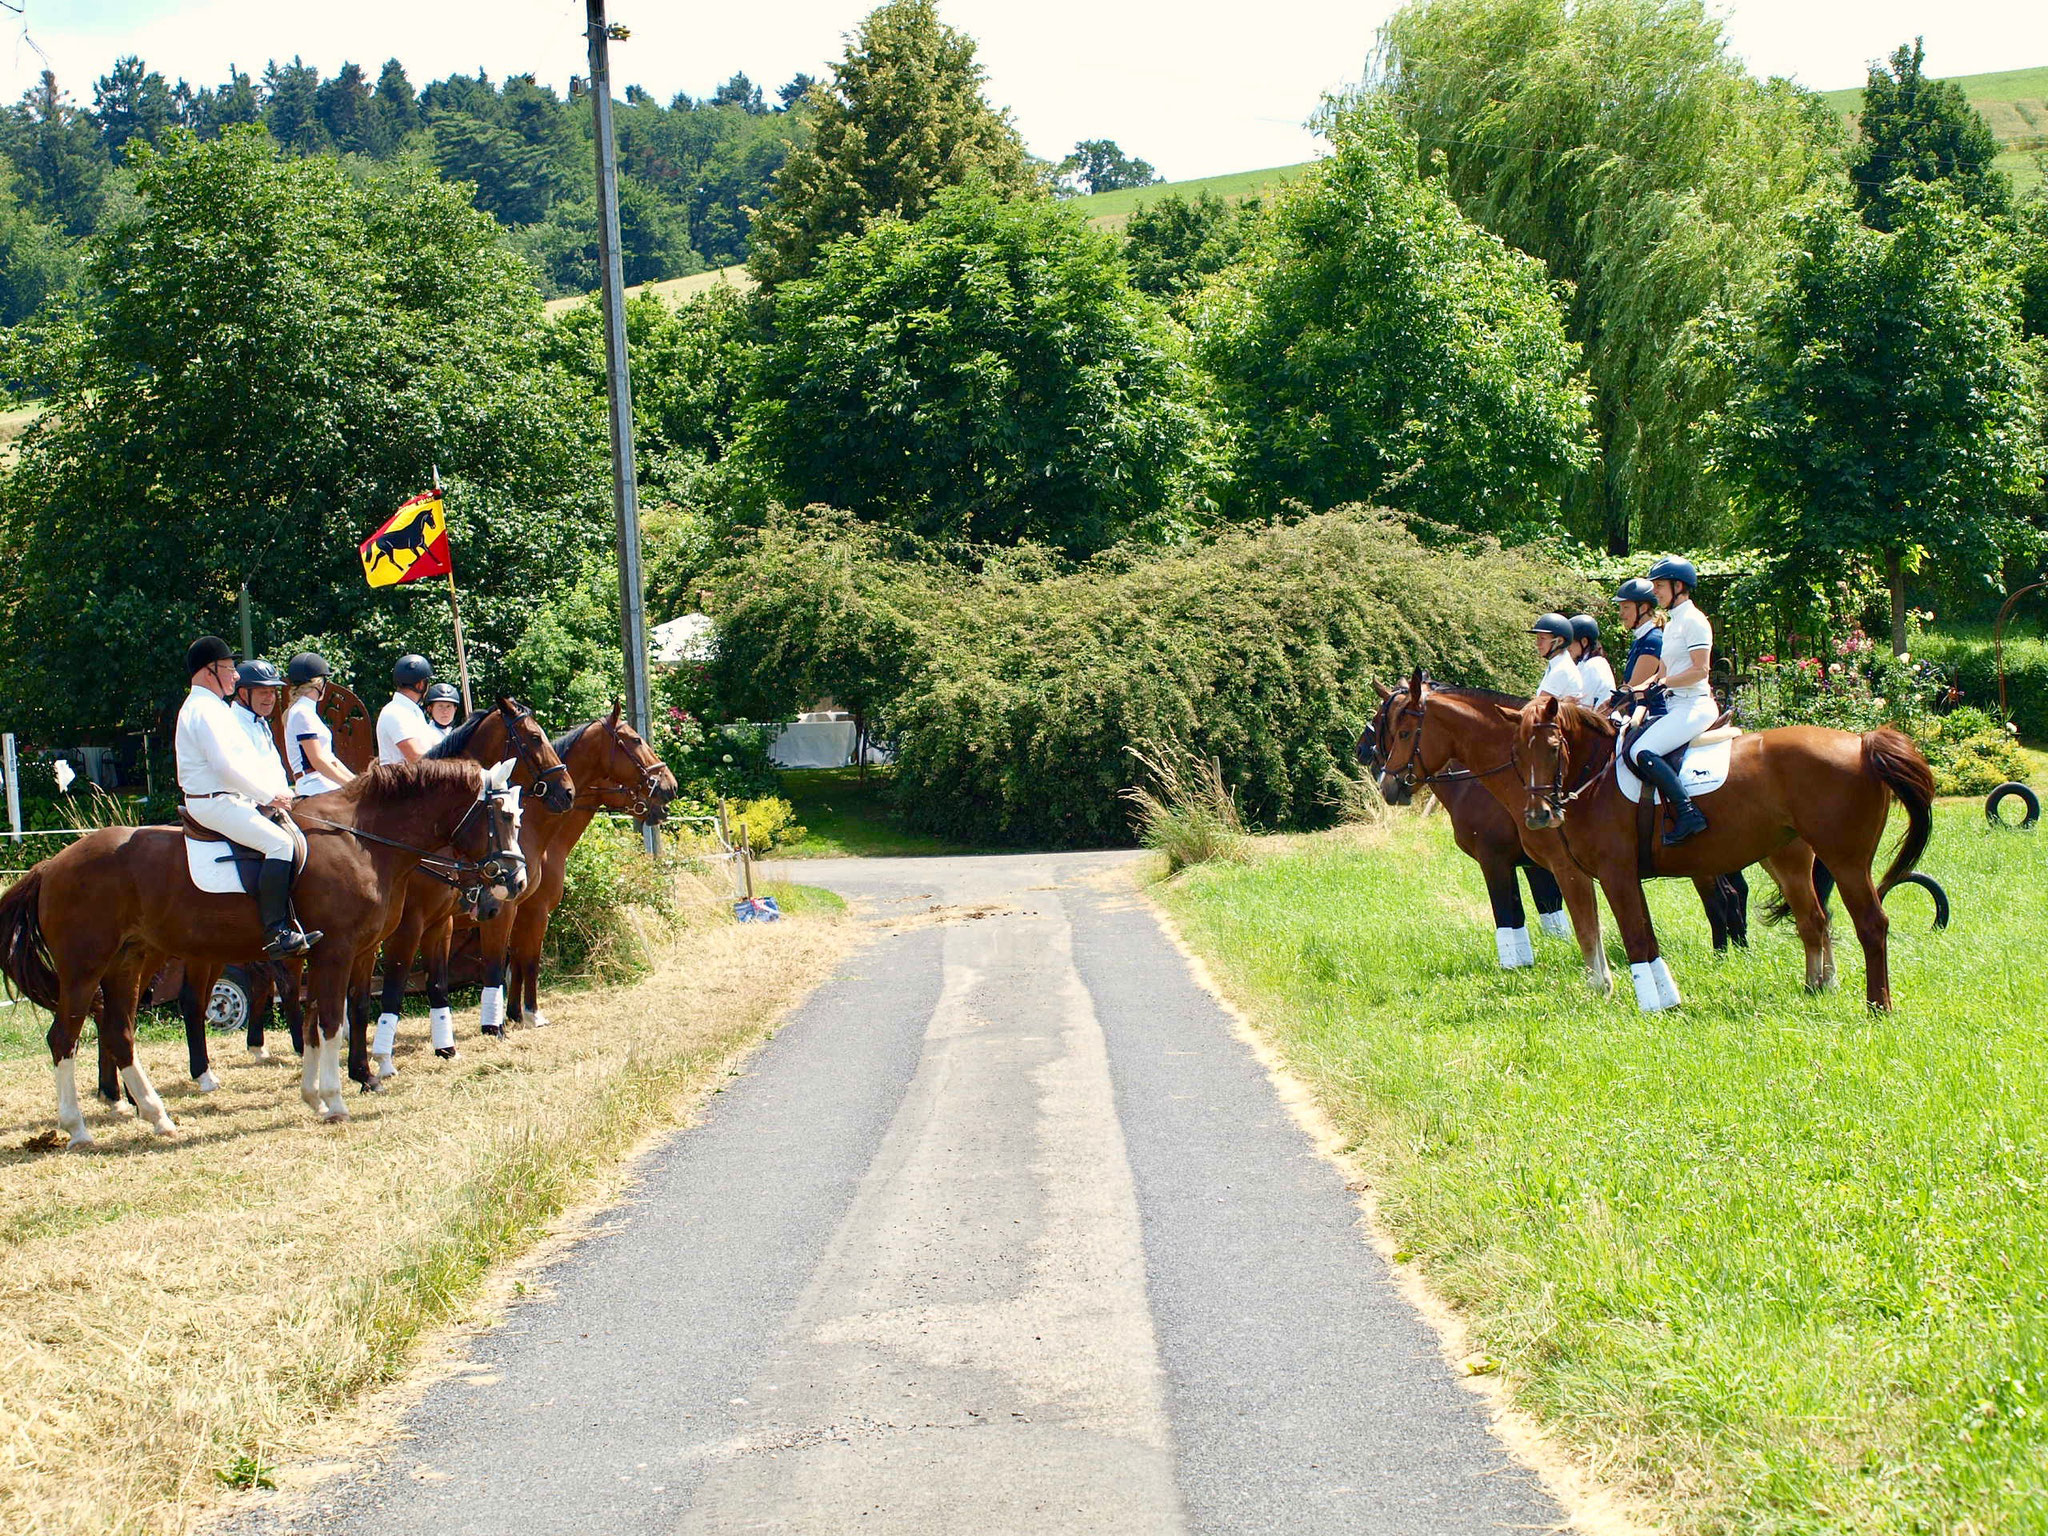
point(1005, 1231)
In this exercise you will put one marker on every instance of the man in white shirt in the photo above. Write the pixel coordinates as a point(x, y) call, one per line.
point(308, 742)
point(404, 734)
point(227, 785)
point(1561, 678)
point(1689, 706)
point(256, 687)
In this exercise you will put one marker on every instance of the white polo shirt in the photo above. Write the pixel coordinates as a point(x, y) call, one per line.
point(1686, 630)
point(403, 720)
point(302, 723)
point(1598, 677)
point(215, 754)
point(1561, 678)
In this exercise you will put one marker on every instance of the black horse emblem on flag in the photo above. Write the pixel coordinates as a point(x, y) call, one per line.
point(411, 545)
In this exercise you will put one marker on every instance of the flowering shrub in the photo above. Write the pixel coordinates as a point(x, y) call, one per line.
point(713, 760)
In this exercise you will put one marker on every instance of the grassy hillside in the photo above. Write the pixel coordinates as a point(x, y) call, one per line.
point(675, 290)
point(2015, 104)
point(1110, 210)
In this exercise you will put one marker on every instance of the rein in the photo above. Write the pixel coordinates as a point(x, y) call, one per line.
point(432, 865)
point(1409, 774)
point(641, 805)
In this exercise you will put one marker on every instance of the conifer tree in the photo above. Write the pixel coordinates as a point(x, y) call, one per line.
point(1925, 129)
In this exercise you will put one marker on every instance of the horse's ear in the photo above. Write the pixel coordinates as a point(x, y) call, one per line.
point(1382, 689)
point(615, 712)
point(1546, 708)
point(1415, 684)
point(508, 704)
point(500, 776)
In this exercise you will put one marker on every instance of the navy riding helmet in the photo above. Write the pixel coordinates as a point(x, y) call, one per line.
point(1674, 569)
point(1553, 624)
point(1636, 590)
point(257, 673)
point(412, 670)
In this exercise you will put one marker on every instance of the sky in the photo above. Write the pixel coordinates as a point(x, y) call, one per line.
point(1197, 87)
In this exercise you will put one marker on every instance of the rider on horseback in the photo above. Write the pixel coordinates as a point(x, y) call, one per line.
point(1561, 677)
point(309, 741)
point(404, 734)
point(256, 687)
point(442, 704)
point(1595, 671)
point(227, 787)
point(1683, 706)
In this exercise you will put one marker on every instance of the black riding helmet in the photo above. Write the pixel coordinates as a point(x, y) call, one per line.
point(304, 667)
point(442, 693)
point(1684, 572)
point(1553, 624)
point(412, 670)
point(205, 651)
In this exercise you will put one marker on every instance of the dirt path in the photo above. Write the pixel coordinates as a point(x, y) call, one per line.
point(1006, 1231)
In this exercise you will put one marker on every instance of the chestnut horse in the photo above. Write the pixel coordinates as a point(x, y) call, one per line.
point(1491, 836)
point(1792, 794)
point(505, 730)
point(77, 928)
point(613, 769)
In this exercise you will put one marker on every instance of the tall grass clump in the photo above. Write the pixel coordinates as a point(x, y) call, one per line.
point(1187, 813)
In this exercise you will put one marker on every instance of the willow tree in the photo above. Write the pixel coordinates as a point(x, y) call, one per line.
point(1623, 144)
point(902, 118)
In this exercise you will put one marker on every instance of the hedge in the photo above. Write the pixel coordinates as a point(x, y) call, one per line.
point(1022, 689)
point(1972, 663)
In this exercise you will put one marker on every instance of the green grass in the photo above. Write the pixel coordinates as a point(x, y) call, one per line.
point(676, 290)
point(1773, 1263)
point(801, 900)
point(1111, 210)
point(844, 818)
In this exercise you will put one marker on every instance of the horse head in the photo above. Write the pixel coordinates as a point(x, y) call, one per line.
point(1397, 739)
point(620, 772)
point(1559, 752)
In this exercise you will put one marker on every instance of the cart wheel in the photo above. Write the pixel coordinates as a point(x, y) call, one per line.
point(2029, 801)
point(227, 1010)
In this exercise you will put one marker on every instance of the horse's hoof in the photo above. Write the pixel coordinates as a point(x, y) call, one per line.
point(334, 1116)
point(206, 1082)
point(493, 1031)
point(445, 1052)
point(386, 1067)
point(371, 1085)
point(166, 1128)
point(540, 1020)
point(313, 1100)
point(80, 1138)
point(260, 1053)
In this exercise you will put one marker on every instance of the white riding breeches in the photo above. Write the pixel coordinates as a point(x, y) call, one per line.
point(1684, 717)
point(238, 819)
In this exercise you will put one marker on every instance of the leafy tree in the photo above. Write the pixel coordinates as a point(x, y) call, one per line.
point(132, 103)
point(793, 93)
point(1880, 400)
point(1098, 165)
point(1377, 346)
point(36, 262)
point(291, 107)
point(2031, 232)
point(1175, 243)
point(1924, 129)
point(739, 92)
point(277, 353)
point(903, 118)
point(1622, 144)
point(986, 373)
point(61, 167)
point(516, 181)
point(654, 240)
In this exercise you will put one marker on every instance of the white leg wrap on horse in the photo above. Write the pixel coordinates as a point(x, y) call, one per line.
point(1667, 989)
point(1558, 924)
point(1514, 948)
point(147, 1104)
point(69, 1116)
point(387, 1035)
point(492, 1007)
point(206, 1082)
point(537, 1019)
point(443, 1021)
point(1644, 974)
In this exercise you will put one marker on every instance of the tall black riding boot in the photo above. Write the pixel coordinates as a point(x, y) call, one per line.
point(281, 936)
point(1689, 822)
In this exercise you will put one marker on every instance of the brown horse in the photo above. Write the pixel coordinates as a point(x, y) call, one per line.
point(1791, 795)
point(506, 730)
point(613, 768)
point(1491, 836)
point(75, 929)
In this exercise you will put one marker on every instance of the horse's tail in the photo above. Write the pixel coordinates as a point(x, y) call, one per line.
point(1896, 763)
point(24, 952)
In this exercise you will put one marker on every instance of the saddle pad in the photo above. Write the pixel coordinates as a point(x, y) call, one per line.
point(211, 871)
point(1705, 770)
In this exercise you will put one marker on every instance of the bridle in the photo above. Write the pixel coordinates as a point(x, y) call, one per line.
point(527, 755)
point(645, 800)
point(1411, 777)
point(1554, 798)
point(494, 868)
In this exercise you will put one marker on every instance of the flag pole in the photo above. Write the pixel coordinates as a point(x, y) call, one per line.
point(455, 606)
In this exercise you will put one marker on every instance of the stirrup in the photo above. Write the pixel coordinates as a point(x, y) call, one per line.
point(1690, 822)
point(288, 939)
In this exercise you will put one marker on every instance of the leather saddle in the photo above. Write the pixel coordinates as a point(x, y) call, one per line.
point(1651, 811)
point(1720, 730)
point(247, 861)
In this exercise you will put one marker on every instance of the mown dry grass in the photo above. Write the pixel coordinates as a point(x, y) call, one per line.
point(176, 1314)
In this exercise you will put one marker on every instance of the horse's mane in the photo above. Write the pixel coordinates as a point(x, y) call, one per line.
point(1598, 724)
point(1484, 695)
point(391, 783)
point(566, 742)
point(457, 739)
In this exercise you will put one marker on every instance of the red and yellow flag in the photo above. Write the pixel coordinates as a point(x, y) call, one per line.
point(411, 546)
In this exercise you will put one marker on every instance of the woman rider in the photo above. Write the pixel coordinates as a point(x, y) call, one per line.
point(1594, 669)
point(1561, 678)
point(1637, 601)
point(442, 704)
point(1689, 707)
point(308, 743)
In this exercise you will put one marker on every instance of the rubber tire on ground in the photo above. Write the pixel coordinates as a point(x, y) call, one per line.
point(2027, 798)
point(227, 1010)
point(1824, 888)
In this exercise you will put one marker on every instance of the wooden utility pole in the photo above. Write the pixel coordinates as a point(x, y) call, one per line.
point(612, 278)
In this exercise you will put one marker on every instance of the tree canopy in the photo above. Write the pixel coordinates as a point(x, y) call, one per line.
point(1924, 130)
point(1880, 401)
point(985, 373)
point(1099, 165)
point(1623, 144)
point(902, 118)
point(1377, 346)
point(272, 355)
